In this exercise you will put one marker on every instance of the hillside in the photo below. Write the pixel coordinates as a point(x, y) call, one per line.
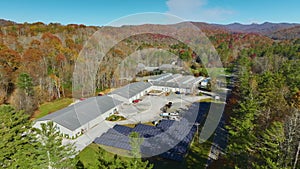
point(53, 49)
point(6, 22)
point(291, 33)
point(210, 29)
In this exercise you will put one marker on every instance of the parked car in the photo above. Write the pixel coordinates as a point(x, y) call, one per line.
point(177, 92)
point(164, 114)
point(168, 105)
point(174, 114)
point(164, 109)
point(155, 122)
point(174, 118)
point(136, 101)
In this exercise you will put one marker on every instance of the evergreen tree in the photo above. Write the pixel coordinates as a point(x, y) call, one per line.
point(135, 143)
point(269, 153)
point(25, 83)
point(242, 134)
point(136, 162)
point(15, 144)
point(52, 154)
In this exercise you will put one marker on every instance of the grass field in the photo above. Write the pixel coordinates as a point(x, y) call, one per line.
point(90, 154)
point(50, 107)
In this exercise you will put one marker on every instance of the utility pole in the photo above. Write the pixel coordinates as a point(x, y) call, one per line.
point(197, 133)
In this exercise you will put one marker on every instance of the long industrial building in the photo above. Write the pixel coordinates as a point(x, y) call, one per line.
point(74, 120)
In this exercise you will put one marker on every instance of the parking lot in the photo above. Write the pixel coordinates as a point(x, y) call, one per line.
point(146, 110)
point(149, 108)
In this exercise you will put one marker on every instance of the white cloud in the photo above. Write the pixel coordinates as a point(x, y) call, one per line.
point(196, 10)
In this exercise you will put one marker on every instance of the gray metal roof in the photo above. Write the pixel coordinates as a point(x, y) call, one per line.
point(197, 80)
point(172, 78)
point(166, 84)
point(131, 89)
point(185, 79)
point(166, 67)
point(76, 115)
point(171, 84)
point(176, 76)
point(169, 78)
point(159, 77)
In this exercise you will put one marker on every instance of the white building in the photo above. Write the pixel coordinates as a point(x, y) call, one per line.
point(131, 91)
point(80, 117)
point(159, 77)
point(72, 121)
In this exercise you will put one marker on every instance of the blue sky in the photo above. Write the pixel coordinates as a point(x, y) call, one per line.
point(100, 12)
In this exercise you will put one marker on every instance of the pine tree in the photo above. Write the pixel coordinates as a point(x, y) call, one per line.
point(136, 162)
point(242, 134)
point(25, 83)
point(135, 143)
point(269, 153)
point(15, 144)
point(50, 150)
point(242, 126)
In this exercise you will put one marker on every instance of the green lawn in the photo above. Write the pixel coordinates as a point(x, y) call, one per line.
point(50, 107)
point(90, 154)
point(198, 154)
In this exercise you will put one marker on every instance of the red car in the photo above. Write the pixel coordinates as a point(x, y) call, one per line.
point(135, 101)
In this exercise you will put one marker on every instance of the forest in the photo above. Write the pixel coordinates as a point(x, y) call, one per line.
point(262, 113)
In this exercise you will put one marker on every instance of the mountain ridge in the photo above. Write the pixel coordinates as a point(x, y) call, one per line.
point(4, 22)
point(264, 28)
point(269, 29)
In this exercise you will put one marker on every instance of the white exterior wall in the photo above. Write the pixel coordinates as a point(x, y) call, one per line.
point(166, 89)
point(95, 122)
point(78, 130)
point(64, 130)
point(84, 127)
point(59, 127)
point(38, 124)
point(141, 94)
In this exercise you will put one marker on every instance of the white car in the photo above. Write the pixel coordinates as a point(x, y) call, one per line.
point(164, 114)
point(174, 114)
